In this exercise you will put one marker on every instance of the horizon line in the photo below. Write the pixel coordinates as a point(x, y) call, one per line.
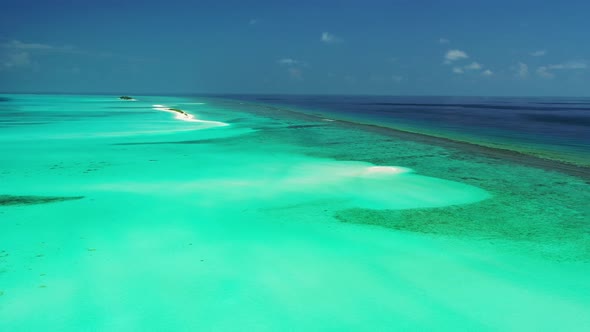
point(283, 94)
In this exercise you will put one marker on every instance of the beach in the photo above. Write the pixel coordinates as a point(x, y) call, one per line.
point(230, 215)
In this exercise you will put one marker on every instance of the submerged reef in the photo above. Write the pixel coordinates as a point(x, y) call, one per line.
point(6, 200)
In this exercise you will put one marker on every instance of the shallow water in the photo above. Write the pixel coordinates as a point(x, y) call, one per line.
point(121, 217)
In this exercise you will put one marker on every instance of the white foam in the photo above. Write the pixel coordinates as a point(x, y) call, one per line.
point(188, 117)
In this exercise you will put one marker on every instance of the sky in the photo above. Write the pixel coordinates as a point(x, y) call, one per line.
point(395, 47)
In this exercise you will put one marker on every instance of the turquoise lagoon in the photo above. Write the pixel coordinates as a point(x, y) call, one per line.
point(118, 216)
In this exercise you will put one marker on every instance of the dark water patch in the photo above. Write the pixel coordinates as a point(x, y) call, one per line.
point(4, 112)
point(265, 128)
point(237, 120)
point(6, 200)
point(15, 123)
point(518, 157)
point(565, 103)
point(269, 99)
point(305, 126)
point(562, 119)
point(4, 99)
point(480, 106)
point(554, 232)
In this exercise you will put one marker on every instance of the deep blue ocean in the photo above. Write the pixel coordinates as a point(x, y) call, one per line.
point(559, 127)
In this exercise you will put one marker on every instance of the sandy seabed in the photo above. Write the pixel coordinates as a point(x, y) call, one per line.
point(272, 222)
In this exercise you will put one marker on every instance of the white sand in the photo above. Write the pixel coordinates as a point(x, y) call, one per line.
point(188, 117)
point(384, 170)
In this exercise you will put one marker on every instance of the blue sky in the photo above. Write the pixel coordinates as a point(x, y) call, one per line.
point(396, 47)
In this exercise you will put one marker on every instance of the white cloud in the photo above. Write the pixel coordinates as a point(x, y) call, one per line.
point(543, 71)
point(470, 67)
point(454, 55)
point(569, 65)
point(487, 72)
point(443, 41)
point(291, 62)
point(539, 53)
point(329, 38)
point(473, 66)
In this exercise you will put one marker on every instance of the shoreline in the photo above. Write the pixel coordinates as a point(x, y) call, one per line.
point(522, 158)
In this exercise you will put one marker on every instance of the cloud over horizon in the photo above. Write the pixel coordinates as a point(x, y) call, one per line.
point(570, 65)
point(548, 71)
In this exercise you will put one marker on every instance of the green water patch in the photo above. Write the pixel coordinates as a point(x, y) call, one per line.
point(8, 200)
point(198, 141)
point(199, 136)
point(272, 227)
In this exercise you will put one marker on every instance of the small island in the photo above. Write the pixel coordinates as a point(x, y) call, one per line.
point(178, 111)
point(126, 98)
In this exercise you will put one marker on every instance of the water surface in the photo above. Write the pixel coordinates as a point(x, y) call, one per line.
point(118, 216)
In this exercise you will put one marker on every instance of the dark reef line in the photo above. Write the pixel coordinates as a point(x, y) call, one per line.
point(521, 158)
point(6, 200)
